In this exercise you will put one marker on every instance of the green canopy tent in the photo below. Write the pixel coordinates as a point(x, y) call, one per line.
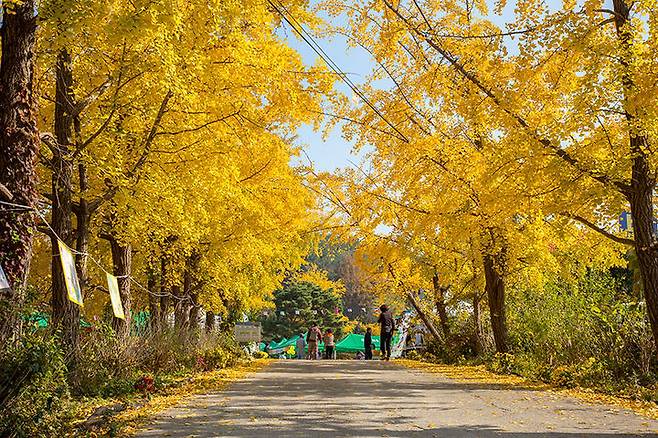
point(353, 343)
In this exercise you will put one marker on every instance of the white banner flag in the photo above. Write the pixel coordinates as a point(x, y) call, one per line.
point(4, 283)
point(70, 275)
point(115, 296)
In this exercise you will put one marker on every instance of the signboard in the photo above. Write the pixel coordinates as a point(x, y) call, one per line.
point(247, 332)
point(115, 296)
point(70, 275)
point(4, 283)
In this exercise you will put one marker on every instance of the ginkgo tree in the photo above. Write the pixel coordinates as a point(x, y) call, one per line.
point(457, 147)
point(171, 141)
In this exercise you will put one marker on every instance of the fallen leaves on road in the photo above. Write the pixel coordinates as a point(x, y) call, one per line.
point(480, 375)
point(130, 421)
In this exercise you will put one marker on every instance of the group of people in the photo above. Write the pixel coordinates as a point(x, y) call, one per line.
point(313, 338)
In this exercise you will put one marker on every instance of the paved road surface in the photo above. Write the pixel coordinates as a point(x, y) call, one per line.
point(377, 399)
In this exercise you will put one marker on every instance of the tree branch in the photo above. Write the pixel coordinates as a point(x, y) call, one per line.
point(592, 226)
point(148, 141)
point(622, 187)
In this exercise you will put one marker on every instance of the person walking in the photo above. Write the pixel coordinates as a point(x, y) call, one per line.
point(300, 344)
point(329, 345)
point(313, 338)
point(387, 327)
point(367, 343)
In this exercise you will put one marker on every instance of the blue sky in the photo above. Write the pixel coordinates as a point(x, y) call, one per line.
point(334, 151)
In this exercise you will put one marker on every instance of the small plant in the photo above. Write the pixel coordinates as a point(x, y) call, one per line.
point(413, 355)
point(145, 384)
point(33, 388)
point(564, 377)
point(504, 363)
point(261, 355)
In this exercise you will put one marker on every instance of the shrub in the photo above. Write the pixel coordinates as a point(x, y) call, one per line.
point(413, 355)
point(261, 355)
point(593, 332)
point(563, 376)
point(33, 388)
point(504, 363)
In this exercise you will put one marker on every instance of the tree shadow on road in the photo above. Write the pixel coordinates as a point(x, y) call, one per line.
point(350, 399)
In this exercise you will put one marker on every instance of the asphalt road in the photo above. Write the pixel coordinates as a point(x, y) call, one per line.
point(378, 399)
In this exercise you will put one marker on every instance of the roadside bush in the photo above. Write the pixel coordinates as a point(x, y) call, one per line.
point(591, 333)
point(105, 366)
point(33, 388)
point(504, 363)
point(220, 351)
point(110, 366)
point(413, 355)
point(261, 355)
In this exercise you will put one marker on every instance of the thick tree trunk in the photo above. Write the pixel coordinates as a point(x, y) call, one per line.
point(495, 288)
point(439, 298)
point(19, 147)
point(643, 182)
point(193, 319)
point(645, 245)
point(66, 314)
point(122, 261)
point(210, 321)
point(478, 332)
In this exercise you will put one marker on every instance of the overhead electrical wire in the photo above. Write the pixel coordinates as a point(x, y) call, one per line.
point(27, 208)
point(299, 29)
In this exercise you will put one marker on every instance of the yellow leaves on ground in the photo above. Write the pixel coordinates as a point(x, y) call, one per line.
point(479, 375)
point(131, 420)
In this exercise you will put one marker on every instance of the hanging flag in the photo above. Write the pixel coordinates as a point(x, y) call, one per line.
point(70, 275)
point(115, 296)
point(4, 283)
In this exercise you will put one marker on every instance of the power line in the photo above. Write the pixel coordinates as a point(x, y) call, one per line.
point(27, 208)
point(310, 41)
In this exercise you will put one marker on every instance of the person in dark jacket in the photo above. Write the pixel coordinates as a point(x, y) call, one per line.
point(387, 326)
point(367, 343)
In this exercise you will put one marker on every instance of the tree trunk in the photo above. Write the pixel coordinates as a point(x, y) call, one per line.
point(210, 321)
point(83, 215)
point(478, 332)
point(19, 147)
point(181, 312)
point(164, 295)
point(495, 287)
point(423, 317)
point(640, 192)
point(66, 314)
point(193, 319)
point(154, 304)
point(122, 261)
point(439, 297)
